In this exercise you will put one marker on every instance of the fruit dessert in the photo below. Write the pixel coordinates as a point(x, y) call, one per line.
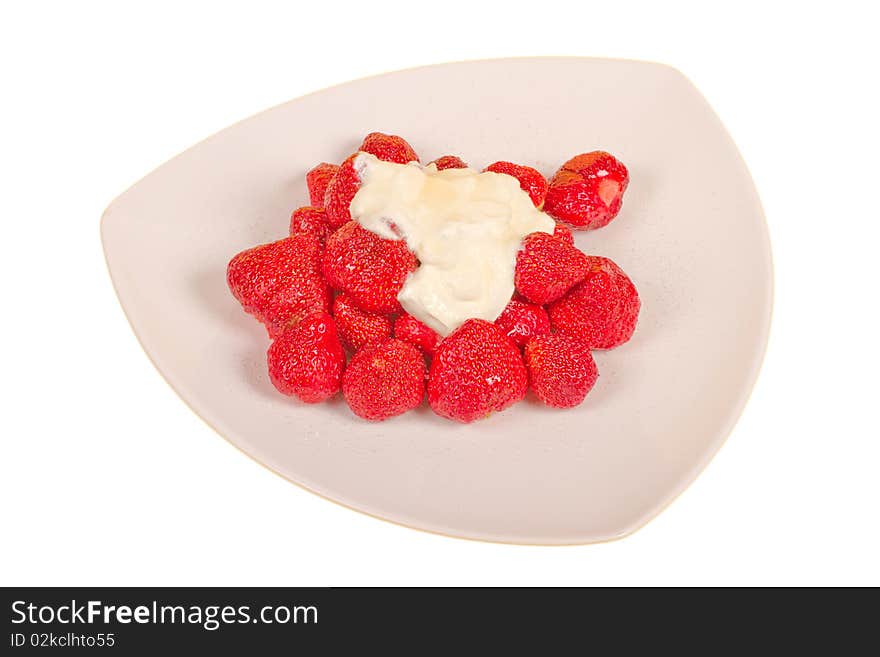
point(401, 281)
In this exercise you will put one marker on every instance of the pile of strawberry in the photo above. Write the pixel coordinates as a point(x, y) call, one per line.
point(330, 290)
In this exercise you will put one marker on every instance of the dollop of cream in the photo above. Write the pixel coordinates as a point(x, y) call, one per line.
point(464, 226)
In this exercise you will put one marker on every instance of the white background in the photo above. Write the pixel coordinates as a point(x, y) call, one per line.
point(108, 479)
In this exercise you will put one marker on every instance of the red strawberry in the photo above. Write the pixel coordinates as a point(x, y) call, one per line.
point(307, 360)
point(602, 310)
point(409, 329)
point(310, 220)
point(280, 283)
point(371, 269)
point(389, 148)
point(547, 267)
point(587, 191)
point(317, 180)
point(385, 380)
point(476, 371)
point(522, 320)
point(530, 180)
point(563, 233)
point(561, 369)
point(340, 191)
point(449, 162)
point(357, 327)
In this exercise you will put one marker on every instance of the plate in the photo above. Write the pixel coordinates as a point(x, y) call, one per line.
point(691, 235)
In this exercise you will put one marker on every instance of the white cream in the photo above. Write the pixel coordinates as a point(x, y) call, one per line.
point(464, 226)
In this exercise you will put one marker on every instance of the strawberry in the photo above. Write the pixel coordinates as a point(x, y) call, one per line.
point(389, 148)
point(587, 191)
point(340, 191)
point(521, 321)
point(561, 369)
point(449, 162)
point(371, 269)
point(409, 329)
point(476, 370)
point(385, 380)
point(530, 180)
point(317, 180)
point(310, 220)
point(563, 233)
point(357, 327)
point(280, 283)
point(602, 310)
point(307, 360)
point(547, 267)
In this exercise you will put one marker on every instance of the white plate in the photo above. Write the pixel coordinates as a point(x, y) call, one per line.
point(691, 235)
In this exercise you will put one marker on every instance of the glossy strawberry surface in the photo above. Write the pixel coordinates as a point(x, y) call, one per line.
point(383, 380)
point(602, 310)
point(307, 360)
point(389, 148)
point(547, 267)
point(317, 180)
point(522, 320)
point(530, 180)
point(476, 371)
point(587, 190)
point(279, 283)
point(371, 269)
point(561, 369)
point(357, 327)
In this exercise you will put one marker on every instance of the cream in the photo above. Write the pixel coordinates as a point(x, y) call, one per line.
point(464, 226)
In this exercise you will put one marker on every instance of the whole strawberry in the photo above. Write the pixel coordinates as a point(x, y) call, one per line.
point(530, 180)
point(476, 371)
point(547, 267)
point(317, 180)
point(280, 283)
point(561, 369)
point(602, 310)
point(587, 191)
point(307, 361)
point(449, 162)
point(310, 220)
point(521, 321)
point(371, 269)
point(409, 329)
point(384, 380)
point(389, 148)
point(357, 327)
point(340, 192)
